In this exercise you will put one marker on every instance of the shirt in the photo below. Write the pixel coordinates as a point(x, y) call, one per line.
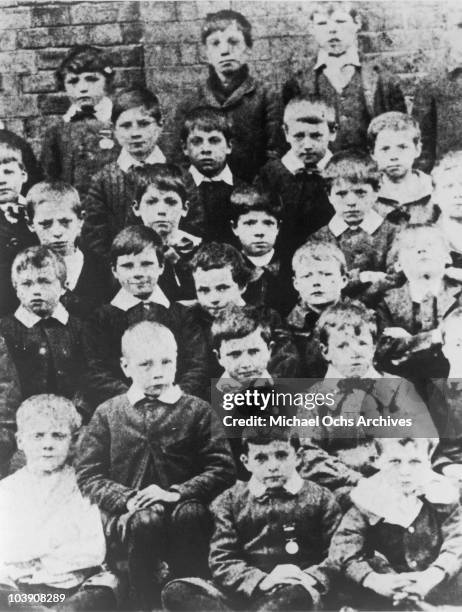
point(294, 164)
point(372, 220)
point(74, 265)
point(103, 111)
point(126, 161)
point(124, 300)
point(225, 176)
point(29, 319)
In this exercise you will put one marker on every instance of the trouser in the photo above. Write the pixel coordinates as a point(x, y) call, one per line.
point(38, 597)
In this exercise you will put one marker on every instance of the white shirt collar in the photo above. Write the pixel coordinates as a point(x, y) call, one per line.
point(74, 265)
point(293, 485)
point(228, 384)
point(169, 396)
point(124, 300)
point(294, 164)
point(29, 319)
point(225, 175)
point(261, 260)
point(351, 56)
point(125, 161)
point(333, 373)
point(372, 220)
point(420, 290)
point(418, 186)
point(322, 163)
point(103, 111)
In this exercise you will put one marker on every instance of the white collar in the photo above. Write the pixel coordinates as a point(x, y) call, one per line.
point(419, 186)
point(322, 163)
point(125, 161)
point(179, 236)
point(261, 260)
point(335, 374)
point(453, 232)
point(372, 220)
point(225, 175)
point(29, 319)
point(420, 290)
point(74, 265)
point(169, 396)
point(124, 300)
point(293, 485)
point(293, 164)
point(229, 385)
point(103, 111)
point(350, 56)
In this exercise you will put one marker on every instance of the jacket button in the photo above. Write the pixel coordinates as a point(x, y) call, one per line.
point(42, 350)
point(411, 529)
point(412, 563)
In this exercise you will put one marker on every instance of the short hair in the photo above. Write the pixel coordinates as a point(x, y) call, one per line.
point(317, 250)
point(85, 58)
point(405, 235)
point(310, 108)
point(143, 332)
point(9, 153)
point(347, 314)
point(429, 444)
point(127, 99)
point(207, 119)
point(394, 121)
point(454, 315)
point(134, 239)
point(353, 166)
point(451, 161)
point(216, 255)
point(39, 257)
point(164, 177)
point(51, 407)
point(239, 322)
point(246, 198)
point(55, 191)
point(269, 433)
point(331, 7)
point(220, 20)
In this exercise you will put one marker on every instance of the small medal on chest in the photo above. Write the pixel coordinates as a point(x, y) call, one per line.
point(291, 546)
point(106, 143)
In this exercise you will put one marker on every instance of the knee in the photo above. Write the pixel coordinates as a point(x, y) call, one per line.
point(190, 513)
point(144, 523)
point(177, 595)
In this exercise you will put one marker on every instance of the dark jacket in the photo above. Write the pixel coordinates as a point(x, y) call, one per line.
point(10, 398)
point(301, 322)
point(125, 448)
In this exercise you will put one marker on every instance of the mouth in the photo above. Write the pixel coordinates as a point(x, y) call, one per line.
point(59, 245)
point(317, 294)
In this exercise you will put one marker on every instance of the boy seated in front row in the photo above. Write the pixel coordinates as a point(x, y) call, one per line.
point(295, 180)
point(409, 316)
point(55, 215)
point(137, 258)
point(364, 237)
point(221, 278)
point(153, 458)
point(271, 536)
point(405, 194)
point(51, 538)
point(399, 545)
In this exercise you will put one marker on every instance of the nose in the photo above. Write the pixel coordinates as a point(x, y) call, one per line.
point(47, 442)
point(224, 48)
point(57, 230)
point(332, 27)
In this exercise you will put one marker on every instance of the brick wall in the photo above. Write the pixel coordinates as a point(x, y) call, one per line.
point(164, 37)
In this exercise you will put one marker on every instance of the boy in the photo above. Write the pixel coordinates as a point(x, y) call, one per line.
point(364, 237)
point(137, 258)
point(399, 545)
point(55, 215)
point(405, 194)
point(271, 536)
point(45, 343)
point(358, 91)
point(221, 277)
point(52, 539)
point(319, 277)
point(137, 125)
point(153, 458)
point(409, 316)
point(251, 107)
point(14, 233)
point(80, 144)
point(295, 180)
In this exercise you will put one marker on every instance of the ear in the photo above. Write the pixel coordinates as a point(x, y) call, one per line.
point(333, 129)
point(243, 289)
point(19, 443)
point(244, 460)
point(324, 350)
point(344, 280)
point(229, 146)
point(217, 354)
point(418, 149)
point(185, 149)
point(136, 208)
point(358, 22)
point(25, 176)
point(285, 130)
point(185, 208)
point(295, 283)
point(124, 366)
point(271, 345)
point(233, 227)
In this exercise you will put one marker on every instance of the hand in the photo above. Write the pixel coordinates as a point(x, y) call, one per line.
point(387, 585)
point(453, 470)
point(151, 495)
point(282, 574)
point(396, 332)
point(368, 276)
point(421, 583)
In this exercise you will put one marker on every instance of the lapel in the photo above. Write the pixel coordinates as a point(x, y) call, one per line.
point(399, 302)
point(248, 86)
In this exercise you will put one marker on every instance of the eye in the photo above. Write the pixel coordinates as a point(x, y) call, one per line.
point(395, 461)
point(223, 288)
point(72, 81)
point(166, 361)
point(56, 435)
point(215, 140)
point(234, 354)
point(39, 435)
point(144, 123)
point(45, 224)
point(415, 462)
point(341, 194)
point(203, 290)
point(91, 78)
point(253, 352)
point(281, 455)
point(250, 222)
point(125, 125)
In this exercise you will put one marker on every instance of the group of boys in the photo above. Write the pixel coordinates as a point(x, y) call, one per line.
point(292, 238)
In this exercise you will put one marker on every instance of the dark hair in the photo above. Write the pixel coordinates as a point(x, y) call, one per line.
point(11, 153)
point(319, 110)
point(58, 191)
point(216, 255)
point(39, 257)
point(354, 166)
point(239, 322)
point(430, 443)
point(208, 119)
point(221, 20)
point(346, 314)
point(85, 58)
point(132, 98)
point(134, 239)
point(165, 177)
point(267, 434)
point(247, 199)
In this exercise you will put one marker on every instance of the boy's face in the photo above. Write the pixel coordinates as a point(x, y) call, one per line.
point(452, 344)
point(216, 289)
point(423, 257)
point(207, 151)
point(308, 141)
point(152, 367)
point(319, 283)
point(448, 193)
point(57, 226)
point(245, 359)
point(46, 445)
point(227, 51)
point(257, 232)
point(138, 273)
point(38, 290)
point(395, 153)
point(405, 466)
point(335, 33)
point(161, 210)
point(352, 200)
point(12, 178)
point(85, 88)
point(349, 353)
point(271, 464)
point(137, 132)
